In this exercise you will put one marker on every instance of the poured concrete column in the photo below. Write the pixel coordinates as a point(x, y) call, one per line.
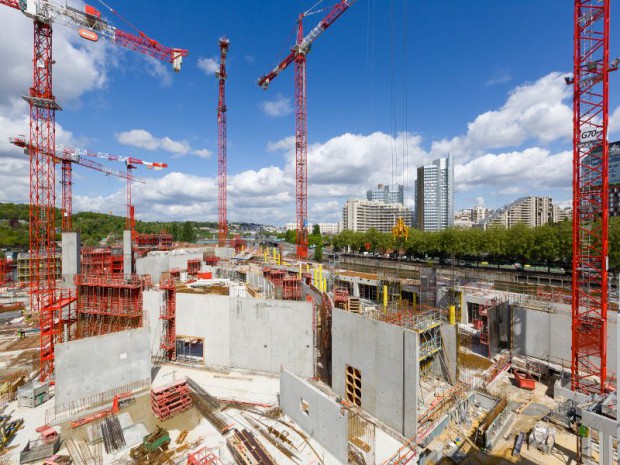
point(127, 254)
point(71, 258)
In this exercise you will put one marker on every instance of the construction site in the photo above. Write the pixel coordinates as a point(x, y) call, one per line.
point(147, 351)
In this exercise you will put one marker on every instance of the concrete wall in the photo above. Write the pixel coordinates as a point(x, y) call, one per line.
point(98, 364)
point(448, 342)
point(156, 263)
point(240, 332)
point(547, 336)
point(128, 266)
point(71, 258)
point(325, 421)
point(266, 335)
point(387, 357)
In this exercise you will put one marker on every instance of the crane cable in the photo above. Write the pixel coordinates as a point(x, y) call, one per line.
point(122, 18)
point(406, 103)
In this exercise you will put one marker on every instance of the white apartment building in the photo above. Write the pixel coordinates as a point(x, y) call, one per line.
point(362, 215)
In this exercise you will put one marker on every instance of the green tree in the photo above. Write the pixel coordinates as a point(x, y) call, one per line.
point(188, 233)
point(316, 230)
point(290, 236)
point(318, 252)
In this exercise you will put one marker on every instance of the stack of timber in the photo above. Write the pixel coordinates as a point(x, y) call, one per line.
point(247, 450)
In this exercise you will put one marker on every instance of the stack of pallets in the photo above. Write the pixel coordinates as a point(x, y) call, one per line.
point(171, 399)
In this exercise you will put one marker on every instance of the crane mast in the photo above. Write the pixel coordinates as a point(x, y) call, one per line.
point(221, 145)
point(298, 55)
point(44, 299)
point(590, 195)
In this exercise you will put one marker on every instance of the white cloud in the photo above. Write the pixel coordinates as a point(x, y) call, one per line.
point(538, 112)
point(143, 139)
point(516, 172)
point(280, 106)
point(208, 65)
point(159, 70)
point(203, 153)
point(181, 147)
point(138, 138)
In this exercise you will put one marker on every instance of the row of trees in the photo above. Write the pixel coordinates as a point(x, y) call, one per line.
point(550, 244)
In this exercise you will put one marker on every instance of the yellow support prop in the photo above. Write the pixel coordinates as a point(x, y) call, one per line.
point(452, 315)
point(385, 297)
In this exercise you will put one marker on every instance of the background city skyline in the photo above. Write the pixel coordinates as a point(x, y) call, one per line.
point(392, 86)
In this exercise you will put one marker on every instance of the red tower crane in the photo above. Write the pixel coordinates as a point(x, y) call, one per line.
point(131, 164)
point(590, 194)
point(67, 158)
point(221, 145)
point(298, 55)
point(90, 25)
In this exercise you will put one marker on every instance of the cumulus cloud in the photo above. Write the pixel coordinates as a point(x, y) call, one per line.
point(280, 106)
point(538, 112)
point(203, 153)
point(208, 65)
point(159, 70)
point(143, 139)
point(529, 169)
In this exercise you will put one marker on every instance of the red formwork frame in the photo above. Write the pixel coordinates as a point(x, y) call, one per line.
point(221, 145)
point(161, 241)
point(108, 304)
point(204, 456)
point(168, 318)
point(193, 266)
point(590, 195)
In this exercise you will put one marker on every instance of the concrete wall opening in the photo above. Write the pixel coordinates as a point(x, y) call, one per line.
point(190, 349)
point(353, 385)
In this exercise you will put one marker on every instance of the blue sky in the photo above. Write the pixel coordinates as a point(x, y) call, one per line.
point(479, 79)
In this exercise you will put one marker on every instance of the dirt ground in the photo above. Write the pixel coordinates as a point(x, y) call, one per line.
point(29, 342)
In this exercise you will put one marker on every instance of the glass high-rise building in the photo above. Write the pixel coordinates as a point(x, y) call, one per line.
point(434, 195)
point(383, 193)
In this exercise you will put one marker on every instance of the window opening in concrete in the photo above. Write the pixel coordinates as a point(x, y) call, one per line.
point(353, 386)
point(305, 407)
point(190, 349)
point(425, 367)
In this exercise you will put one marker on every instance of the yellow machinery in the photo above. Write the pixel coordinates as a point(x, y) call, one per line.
point(400, 229)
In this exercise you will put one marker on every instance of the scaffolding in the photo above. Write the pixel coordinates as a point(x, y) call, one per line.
point(57, 323)
point(341, 298)
point(291, 288)
point(168, 318)
point(108, 304)
point(5, 272)
point(193, 266)
point(161, 241)
point(102, 261)
point(23, 266)
point(210, 259)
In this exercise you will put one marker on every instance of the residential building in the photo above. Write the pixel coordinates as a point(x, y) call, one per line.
point(384, 194)
point(434, 195)
point(561, 214)
point(362, 215)
point(530, 211)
